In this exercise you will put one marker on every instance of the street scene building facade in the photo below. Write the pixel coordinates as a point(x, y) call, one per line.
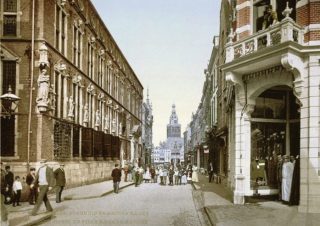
point(147, 131)
point(264, 98)
point(80, 99)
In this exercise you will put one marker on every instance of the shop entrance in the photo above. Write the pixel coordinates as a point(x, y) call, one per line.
point(275, 131)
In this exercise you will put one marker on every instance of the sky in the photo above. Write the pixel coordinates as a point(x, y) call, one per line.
point(168, 45)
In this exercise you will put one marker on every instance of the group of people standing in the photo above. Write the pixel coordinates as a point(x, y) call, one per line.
point(171, 175)
point(38, 183)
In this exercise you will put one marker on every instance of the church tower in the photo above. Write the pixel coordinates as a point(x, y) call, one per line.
point(173, 128)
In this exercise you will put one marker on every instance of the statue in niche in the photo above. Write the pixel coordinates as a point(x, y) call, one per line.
point(71, 107)
point(120, 128)
point(86, 114)
point(114, 126)
point(98, 118)
point(43, 87)
point(106, 122)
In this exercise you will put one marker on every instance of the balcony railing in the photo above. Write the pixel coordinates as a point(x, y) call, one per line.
point(286, 30)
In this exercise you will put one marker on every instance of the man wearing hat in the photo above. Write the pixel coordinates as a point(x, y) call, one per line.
point(45, 180)
point(60, 177)
point(34, 189)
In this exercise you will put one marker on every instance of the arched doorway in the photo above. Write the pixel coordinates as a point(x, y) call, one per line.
point(275, 130)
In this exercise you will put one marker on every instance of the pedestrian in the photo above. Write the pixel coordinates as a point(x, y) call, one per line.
point(171, 173)
point(116, 176)
point(9, 178)
point(147, 175)
point(4, 211)
point(153, 174)
point(33, 192)
point(176, 176)
point(184, 178)
point(161, 175)
point(287, 171)
point(129, 173)
point(141, 172)
point(165, 174)
point(17, 188)
point(126, 170)
point(210, 171)
point(195, 177)
point(136, 176)
point(60, 176)
point(179, 176)
point(156, 175)
point(45, 179)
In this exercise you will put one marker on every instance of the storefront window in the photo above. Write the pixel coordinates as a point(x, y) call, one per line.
point(275, 130)
point(271, 105)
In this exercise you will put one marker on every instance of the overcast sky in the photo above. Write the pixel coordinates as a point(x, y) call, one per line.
point(168, 44)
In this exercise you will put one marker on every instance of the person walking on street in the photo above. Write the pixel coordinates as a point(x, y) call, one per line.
point(171, 173)
point(17, 188)
point(4, 211)
point(210, 171)
point(60, 176)
point(45, 179)
point(33, 192)
point(9, 178)
point(116, 176)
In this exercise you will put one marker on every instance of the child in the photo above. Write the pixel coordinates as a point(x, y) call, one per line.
point(184, 178)
point(17, 187)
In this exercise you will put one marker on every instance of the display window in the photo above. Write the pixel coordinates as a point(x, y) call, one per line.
point(275, 127)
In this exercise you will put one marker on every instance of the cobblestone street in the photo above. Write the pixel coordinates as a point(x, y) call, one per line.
point(148, 204)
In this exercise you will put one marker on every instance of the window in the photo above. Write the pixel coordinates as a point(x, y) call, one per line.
point(60, 39)
point(77, 44)
point(8, 124)
point(90, 61)
point(10, 17)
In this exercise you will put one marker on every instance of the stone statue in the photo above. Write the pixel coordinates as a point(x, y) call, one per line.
point(86, 114)
point(106, 122)
point(98, 118)
point(120, 128)
point(71, 107)
point(114, 126)
point(43, 87)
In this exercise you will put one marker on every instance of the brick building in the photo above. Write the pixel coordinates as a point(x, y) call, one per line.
point(80, 99)
point(272, 75)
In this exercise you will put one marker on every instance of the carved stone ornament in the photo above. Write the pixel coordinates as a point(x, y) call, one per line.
point(294, 64)
point(71, 107)
point(92, 40)
point(106, 123)
point(287, 11)
point(98, 118)
point(90, 88)
point(102, 52)
point(116, 107)
point(43, 52)
point(63, 3)
point(76, 79)
point(109, 62)
point(60, 67)
point(109, 102)
point(101, 96)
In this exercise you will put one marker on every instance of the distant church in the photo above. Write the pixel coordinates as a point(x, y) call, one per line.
point(174, 140)
point(172, 150)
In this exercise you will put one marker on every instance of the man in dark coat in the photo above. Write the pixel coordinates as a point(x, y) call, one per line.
point(4, 211)
point(9, 179)
point(210, 171)
point(34, 190)
point(116, 176)
point(60, 177)
point(45, 179)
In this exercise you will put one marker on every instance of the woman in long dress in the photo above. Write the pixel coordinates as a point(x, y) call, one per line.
point(195, 177)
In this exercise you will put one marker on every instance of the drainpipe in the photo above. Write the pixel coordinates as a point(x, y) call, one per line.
point(31, 87)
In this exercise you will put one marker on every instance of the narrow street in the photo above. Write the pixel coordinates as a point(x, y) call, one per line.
point(148, 204)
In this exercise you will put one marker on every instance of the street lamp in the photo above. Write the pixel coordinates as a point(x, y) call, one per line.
point(9, 102)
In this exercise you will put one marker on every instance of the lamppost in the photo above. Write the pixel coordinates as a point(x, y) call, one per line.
point(9, 103)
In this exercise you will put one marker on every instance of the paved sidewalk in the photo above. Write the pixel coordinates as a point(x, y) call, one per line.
point(221, 211)
point(20, 215)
